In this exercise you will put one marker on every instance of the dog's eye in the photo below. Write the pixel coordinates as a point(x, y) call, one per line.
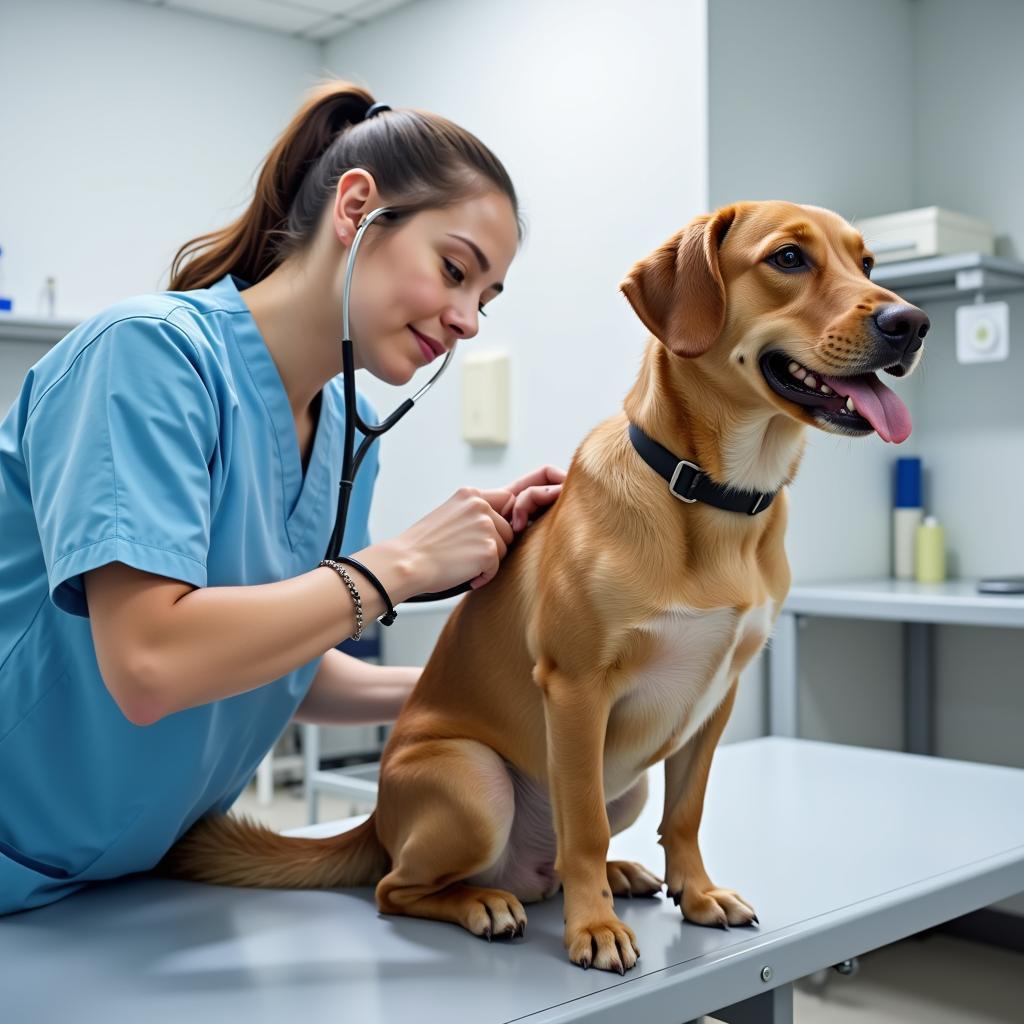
point(789, 257)
point(867, 263)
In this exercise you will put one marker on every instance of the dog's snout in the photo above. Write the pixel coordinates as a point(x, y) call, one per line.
point(903, 326)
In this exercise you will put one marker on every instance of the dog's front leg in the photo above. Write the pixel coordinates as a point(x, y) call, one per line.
point(686, 779)
point(576, 713)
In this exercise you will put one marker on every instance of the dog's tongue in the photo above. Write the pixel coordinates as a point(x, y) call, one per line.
point(879, 405)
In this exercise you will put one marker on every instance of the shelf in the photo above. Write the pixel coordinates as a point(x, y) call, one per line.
point(950, 277)
point(955, 602)
point(33, 328)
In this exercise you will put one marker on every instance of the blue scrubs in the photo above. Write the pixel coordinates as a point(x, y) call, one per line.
point(157, 434)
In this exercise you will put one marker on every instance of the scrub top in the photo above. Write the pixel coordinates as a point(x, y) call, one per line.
point(157, 434)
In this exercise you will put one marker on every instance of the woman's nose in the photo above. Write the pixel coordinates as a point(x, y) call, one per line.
point(463, 323)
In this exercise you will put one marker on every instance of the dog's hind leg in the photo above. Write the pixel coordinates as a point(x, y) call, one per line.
point(445, 812)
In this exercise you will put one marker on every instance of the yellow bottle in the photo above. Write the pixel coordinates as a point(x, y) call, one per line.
point(930, 546)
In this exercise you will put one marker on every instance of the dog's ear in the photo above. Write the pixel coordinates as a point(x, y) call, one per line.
point(677, 291)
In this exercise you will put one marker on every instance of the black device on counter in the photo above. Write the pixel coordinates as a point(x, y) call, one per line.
point(1001, 585)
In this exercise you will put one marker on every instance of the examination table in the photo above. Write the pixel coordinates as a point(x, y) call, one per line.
point(839, 849)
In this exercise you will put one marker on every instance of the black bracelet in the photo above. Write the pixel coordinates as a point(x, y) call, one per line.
point(390, 614)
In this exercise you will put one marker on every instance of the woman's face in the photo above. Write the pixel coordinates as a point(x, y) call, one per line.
point(417, 288)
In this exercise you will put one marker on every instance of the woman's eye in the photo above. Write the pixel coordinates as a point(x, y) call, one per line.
point(480, 309)
point(788, 258)
point(456, 274)
point(867, 263)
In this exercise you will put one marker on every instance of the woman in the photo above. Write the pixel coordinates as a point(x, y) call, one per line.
point(168, 484)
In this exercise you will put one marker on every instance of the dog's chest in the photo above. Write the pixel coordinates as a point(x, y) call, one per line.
point(692, 657)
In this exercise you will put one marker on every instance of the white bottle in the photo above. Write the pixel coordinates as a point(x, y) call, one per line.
point(905, 524)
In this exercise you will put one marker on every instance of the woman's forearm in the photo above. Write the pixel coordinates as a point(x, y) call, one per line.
point(222, 641)
point(347, 691)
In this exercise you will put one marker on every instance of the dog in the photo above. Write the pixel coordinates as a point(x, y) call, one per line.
point(615, 633)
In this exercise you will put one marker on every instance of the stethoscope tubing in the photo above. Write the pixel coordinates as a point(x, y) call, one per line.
point(352, 459)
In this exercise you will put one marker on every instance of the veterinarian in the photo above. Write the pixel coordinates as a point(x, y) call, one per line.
point(169, 480)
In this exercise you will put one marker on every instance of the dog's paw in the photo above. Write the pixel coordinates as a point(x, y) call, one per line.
point(627, 878)
point(607, 944)
point(493, 914)
point(717, 908)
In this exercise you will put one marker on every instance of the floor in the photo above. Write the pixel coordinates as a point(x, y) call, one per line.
point(933, 979)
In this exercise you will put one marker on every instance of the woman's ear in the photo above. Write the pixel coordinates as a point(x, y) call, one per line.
point(354, 197)
point(677, 291)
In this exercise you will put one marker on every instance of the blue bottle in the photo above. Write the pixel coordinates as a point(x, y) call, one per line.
point(907, 515)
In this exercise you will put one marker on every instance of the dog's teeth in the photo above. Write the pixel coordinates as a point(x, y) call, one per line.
point(826, 390)
point(793, 367)
point(800, 373)
point(810, 381)
point(850, 405)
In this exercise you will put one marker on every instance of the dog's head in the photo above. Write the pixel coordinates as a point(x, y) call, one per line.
point(776, 301)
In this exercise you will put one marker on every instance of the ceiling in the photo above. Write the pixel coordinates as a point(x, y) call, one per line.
point(304, 19)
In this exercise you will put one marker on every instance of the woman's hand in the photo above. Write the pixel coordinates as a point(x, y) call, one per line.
point(464, 539)
point(531, 493)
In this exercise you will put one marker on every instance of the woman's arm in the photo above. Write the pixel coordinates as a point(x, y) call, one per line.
point(348, 691)
point(163, 645)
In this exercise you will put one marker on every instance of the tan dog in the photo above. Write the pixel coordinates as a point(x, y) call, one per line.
point(615, 633)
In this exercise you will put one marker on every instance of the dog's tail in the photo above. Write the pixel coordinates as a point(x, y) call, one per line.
point(225, 850)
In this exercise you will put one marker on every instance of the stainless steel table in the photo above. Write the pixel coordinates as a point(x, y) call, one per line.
point(840, 849)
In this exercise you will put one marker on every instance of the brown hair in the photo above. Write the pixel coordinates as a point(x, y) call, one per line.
point(417, 159)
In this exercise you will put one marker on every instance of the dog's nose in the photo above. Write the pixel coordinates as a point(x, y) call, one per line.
point(903, 326)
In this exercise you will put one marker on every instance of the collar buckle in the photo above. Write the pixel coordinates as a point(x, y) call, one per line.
point(686, 492)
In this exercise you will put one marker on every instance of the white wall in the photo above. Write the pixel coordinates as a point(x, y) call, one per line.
point(868, 108)
point(598, 110)
point(969, 89)
point(127, 130)
point(789, 120)
point(569, 95)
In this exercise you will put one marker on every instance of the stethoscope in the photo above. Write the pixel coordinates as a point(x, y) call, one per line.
point(371, 431)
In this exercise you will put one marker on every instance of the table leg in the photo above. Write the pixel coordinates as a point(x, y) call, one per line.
point(265, 780)
point(774, 1007)
point(311, 755)
point(919, 687)
point(783, 717)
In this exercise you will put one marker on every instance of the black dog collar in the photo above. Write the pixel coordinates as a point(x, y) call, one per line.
point(689, 483)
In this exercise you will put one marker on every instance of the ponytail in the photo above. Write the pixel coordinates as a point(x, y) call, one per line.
point(417, 159)
point(247, 246)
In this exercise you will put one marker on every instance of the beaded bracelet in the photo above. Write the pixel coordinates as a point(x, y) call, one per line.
point(340, 570)
point(389, 616)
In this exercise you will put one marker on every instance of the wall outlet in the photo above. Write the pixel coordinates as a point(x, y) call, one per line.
point(982, 332)
point(485, 398)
